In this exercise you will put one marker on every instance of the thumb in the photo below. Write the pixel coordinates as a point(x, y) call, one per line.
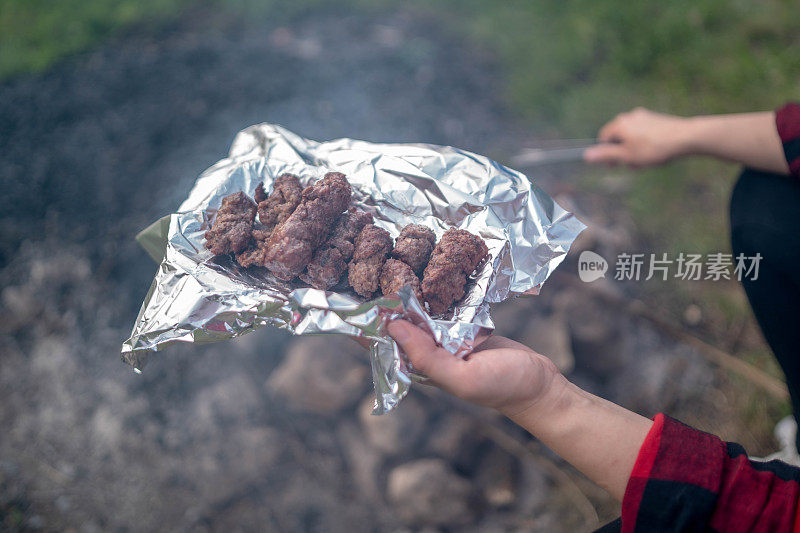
point(436, 363)
point(606, 153)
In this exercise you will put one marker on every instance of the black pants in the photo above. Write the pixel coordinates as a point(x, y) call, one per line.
point(765, 219)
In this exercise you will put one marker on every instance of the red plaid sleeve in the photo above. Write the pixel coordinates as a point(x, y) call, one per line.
point(687, 480)
point(787, 119)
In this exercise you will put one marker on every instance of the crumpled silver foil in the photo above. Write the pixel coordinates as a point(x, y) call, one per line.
point(198, 298)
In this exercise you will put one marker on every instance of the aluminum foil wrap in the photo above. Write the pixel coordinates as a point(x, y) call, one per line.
point(197, 297)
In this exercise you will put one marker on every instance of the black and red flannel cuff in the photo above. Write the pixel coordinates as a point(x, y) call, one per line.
point(685, 479)
point(787, 120)
point(641, 472)
point(674, 479)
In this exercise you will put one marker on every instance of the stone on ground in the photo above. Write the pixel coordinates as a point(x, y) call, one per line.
point(429, 492)
point(320, 374)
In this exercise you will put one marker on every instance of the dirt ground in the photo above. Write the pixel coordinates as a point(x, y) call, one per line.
point(263, 433)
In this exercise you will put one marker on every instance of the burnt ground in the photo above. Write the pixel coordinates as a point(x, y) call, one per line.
point(263, 432)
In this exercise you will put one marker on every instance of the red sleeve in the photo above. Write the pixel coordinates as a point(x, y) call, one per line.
point(685, 479)
point(787, 120)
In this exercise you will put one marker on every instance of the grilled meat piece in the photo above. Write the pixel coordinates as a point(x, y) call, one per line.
point(330, 260)
point(372, 247)
point(293, 242)
point(281, 202)
point(414, 246)
point(453, 259)
point(256, 251)
point(395, 275)
point(230, 232)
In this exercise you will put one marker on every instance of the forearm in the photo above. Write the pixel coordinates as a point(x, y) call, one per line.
point(599, 438)
point(747, 138)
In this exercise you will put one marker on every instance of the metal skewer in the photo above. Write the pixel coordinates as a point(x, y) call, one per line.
point(557, 152)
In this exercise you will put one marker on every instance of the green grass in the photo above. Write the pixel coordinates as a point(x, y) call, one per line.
point(34, 34)
point(574, 63)
point(571, 64)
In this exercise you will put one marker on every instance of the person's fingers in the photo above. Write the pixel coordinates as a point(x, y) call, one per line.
point(612, 131)
point(434, 362)
point(606, 153)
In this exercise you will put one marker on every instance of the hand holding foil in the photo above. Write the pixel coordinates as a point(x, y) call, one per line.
point(197, 297)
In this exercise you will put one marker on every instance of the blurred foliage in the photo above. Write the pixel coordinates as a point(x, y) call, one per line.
point(570, 63)
point(34, 34)
point(574, 63)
